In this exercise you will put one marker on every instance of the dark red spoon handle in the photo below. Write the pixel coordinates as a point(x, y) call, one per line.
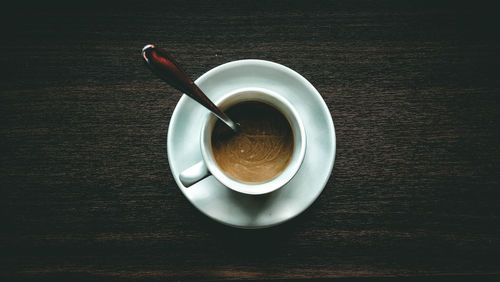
point(163, 65)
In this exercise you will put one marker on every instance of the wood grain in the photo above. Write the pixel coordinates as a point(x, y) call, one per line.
point(413, 90)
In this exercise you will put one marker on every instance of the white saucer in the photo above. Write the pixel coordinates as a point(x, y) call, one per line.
point(245, 211)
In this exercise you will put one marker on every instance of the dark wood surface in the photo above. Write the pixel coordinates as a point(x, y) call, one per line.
point(413, 89)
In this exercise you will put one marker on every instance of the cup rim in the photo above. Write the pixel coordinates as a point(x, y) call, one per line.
point(277, 182)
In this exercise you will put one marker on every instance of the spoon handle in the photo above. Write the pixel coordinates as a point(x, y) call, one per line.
point(163, 65)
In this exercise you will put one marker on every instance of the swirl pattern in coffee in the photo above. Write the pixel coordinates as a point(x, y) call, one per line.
point(261, 149)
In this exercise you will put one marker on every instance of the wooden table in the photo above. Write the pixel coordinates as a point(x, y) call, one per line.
point(413, 89)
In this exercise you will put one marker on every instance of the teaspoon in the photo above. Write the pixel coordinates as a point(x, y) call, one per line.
point(164, 66)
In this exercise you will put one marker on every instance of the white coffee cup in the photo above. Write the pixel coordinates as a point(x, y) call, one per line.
point(208, 165)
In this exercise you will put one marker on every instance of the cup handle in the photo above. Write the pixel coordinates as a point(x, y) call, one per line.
point(193, 174)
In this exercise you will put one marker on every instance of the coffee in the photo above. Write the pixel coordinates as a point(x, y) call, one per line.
point(261, 149)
